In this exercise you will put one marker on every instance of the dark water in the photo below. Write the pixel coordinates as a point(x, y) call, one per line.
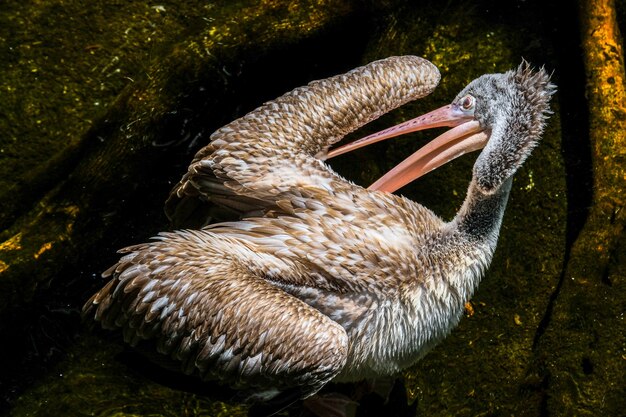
point(103, 106)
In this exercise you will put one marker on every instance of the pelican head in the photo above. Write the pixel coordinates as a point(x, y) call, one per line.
point(512, 109)
point(503, 114)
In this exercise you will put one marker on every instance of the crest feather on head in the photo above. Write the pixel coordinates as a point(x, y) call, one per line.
point(536, 89)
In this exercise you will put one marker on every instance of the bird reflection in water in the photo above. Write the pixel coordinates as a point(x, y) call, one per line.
point(323, 280)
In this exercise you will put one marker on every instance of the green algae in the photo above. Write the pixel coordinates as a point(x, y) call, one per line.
point(64, 63)
point(93, 382)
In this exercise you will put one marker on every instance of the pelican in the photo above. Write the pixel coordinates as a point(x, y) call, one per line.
point(323, 280)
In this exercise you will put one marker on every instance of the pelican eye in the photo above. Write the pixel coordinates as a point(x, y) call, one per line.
point(467, 103)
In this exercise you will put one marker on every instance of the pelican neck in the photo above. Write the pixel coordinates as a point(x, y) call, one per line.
point(480, 216)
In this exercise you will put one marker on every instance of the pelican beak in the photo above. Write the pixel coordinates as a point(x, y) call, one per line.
point(465, 136)
point(446, 116)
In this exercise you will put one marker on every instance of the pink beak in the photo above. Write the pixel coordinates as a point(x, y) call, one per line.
point(466, 136)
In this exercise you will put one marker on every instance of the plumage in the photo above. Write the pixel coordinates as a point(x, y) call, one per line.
point(322, 279)
point(275, 149)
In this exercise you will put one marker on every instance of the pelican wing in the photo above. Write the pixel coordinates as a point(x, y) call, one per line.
point(278, 148)
point(342, 243)
point(203, 300)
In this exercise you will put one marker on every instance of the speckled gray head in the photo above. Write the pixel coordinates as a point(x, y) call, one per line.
point(512, 108)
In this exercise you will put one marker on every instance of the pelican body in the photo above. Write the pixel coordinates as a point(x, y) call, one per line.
point(322, 279)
